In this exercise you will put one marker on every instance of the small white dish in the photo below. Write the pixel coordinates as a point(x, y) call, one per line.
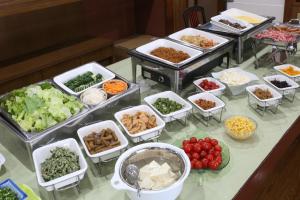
point(42, 153)
point(274, 101)
point(179, 114)
point(110, 153)
point(216, 92)
point(209, 97)
point(94, 67)
point(144, 135)
point(279, 77)
point(280, 67)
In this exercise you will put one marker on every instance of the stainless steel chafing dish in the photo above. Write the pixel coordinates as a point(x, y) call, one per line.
point(22, 143)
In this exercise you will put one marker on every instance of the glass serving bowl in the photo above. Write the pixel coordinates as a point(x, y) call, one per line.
point(240, 131)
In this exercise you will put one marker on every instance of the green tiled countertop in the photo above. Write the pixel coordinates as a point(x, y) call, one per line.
point(245, 156)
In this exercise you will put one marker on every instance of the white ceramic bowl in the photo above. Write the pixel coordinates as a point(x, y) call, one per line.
point(274, 101)
point(169, 193)
point(216, 92)
point(144, 135)
point(94, 67)
point(209, 97)
point(179, 114)
point(42, 153)
point(97, 127)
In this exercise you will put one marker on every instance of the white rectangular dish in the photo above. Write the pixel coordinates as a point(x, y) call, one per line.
point(144, 135)
point(209, 97)
point(147, 48)
point(42, 153)
point(150, 100)
point(216, 92)
point(283, 91)
point(215, 21)
point(274, 101)
point(234, 12)
point(236, 89)
point(195, 32)
point(108, 154)
point(295, 78)
point(94, 67)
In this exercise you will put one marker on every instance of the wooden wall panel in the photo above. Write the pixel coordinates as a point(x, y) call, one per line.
point(28, 32)
point(113, 19)
point(150, 17)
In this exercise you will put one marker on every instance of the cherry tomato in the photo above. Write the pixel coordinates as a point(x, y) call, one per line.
point(207, 139)
point(197, 148)
point(218, 160)
point(217, 153)
point(193, 140)
point(196, 156)
point(213, 165)
point(214, 142)
point(198, 165)
point(203, 154)
point(193, 163)
point(218, 148)
point(187, 149)
point(185, 142)
point(206, 146)
point(204, 163)
point(209, 157)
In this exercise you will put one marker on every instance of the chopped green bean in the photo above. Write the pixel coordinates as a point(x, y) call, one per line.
point(167, 106)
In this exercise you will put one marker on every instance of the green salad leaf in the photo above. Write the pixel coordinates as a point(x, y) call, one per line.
point(38, 107)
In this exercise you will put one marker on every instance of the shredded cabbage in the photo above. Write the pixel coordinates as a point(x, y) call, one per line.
point(38, 107)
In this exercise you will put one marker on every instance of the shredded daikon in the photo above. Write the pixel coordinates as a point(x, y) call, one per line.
point(93, 96)
point(234, 78)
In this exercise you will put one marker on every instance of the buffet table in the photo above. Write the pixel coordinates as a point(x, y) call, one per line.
point(239, 179)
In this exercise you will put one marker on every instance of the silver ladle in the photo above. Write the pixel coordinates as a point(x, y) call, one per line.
point(132, 176)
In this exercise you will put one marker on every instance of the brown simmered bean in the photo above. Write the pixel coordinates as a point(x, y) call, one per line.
point(99, 142)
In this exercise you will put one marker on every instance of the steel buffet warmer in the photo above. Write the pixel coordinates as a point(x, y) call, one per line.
point(176, 75)
point(240, 38)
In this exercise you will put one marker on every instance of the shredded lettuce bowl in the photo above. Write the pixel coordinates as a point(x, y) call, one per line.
point(40, 106)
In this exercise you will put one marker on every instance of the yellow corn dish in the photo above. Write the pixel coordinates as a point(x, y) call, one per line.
point(240, 127)
point(249, 19)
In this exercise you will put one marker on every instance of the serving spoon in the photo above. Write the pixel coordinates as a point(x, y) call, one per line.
point(132, 175)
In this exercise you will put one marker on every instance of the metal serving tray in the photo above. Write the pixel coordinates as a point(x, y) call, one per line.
point(32, 135)
point(22, 147)
point(270, 41)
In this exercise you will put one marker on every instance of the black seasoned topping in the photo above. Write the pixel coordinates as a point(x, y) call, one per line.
point(280, 84)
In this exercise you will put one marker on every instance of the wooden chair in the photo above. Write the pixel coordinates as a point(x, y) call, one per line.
point(193, 16)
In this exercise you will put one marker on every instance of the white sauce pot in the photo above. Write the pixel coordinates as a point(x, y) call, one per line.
point(168, 193)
